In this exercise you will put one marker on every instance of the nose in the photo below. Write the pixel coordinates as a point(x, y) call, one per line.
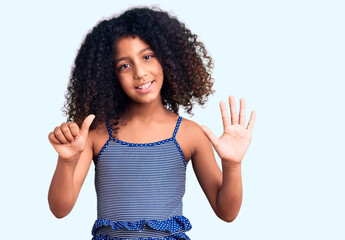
point(139, 71)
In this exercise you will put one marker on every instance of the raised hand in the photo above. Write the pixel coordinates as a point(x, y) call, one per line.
point(234, 142)
point(69, 141)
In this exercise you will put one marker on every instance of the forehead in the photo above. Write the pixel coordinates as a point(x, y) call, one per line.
point(130, 45)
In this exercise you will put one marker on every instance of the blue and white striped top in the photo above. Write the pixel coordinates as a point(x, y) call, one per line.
point(139, 190)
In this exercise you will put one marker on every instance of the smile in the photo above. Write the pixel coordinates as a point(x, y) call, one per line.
point(145, 87)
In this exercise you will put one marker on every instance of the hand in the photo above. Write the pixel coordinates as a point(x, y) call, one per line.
point(69, 141)
point(234, 142)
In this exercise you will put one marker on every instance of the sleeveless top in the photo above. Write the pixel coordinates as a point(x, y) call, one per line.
point(139, 190)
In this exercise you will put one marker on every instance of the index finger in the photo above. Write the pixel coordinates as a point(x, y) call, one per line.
point(225, 116)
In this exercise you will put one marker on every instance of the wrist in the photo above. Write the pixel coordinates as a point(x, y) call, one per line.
point(70, 163)
point(231, 165)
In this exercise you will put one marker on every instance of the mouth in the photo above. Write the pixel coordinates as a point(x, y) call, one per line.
point(145, 88)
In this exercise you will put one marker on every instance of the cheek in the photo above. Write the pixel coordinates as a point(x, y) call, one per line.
point(124, 84)
point(161, 75)
point(159, 72)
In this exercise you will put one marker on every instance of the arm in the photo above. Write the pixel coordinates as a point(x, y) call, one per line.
point(75, 156)
point(223, 189)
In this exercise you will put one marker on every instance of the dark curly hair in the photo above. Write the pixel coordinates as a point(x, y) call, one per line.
point(94, 87)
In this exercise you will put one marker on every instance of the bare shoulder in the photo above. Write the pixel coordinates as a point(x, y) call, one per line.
point(190, 136)
point(97, 138)
point(190, 127)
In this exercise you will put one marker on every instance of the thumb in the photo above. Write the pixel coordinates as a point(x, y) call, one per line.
point(210, 135)
point(86, 125)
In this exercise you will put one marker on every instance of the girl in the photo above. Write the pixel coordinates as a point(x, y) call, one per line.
point(131, 75)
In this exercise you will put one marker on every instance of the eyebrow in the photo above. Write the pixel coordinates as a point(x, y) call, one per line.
point(141, 51)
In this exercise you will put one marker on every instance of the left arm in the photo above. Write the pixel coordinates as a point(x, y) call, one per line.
point(224, 189)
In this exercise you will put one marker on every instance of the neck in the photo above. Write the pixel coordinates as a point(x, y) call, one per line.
point(144, 111)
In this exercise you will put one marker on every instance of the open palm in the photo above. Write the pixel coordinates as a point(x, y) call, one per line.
point(236, 138)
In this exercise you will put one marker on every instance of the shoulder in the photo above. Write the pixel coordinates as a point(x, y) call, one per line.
point(97, 138)
point(190, 127)
point(191, 137)
point(100, 129)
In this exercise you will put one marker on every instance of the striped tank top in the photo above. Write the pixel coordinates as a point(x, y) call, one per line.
point(139, 190)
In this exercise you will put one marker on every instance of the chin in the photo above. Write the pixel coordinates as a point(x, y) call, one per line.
point(146, 99)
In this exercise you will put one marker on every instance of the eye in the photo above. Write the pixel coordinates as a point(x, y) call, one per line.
point(147, 57)
point(123, 66)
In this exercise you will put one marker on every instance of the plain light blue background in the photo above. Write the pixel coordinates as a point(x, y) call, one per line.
point(286, 58)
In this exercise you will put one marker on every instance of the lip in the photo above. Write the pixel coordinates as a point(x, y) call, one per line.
point(146, 90)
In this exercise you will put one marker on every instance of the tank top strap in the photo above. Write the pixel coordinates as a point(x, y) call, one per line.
point(177, 126)
point(109, 129)
point(174, 134)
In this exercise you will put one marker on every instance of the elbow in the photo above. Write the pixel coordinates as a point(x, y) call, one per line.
point(59, 209)
point(59, 213)
point(228, 219)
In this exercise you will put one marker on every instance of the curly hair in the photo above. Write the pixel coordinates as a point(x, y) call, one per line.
point(94, 88)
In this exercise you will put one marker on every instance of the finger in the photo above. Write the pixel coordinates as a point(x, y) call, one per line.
point(66, 132)
point(242, 112)
point(73, 127)
point(225, 116)
point(251, 121)
point(233, 110)
point(59, 135)
point(210, 135)
point(52, 138)
point(86, 125)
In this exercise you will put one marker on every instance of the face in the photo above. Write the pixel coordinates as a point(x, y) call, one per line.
point(139, 72)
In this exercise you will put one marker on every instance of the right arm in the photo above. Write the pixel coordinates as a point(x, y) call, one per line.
point(74, 147)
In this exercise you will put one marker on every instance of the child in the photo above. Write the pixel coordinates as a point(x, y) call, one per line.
point(131, 75)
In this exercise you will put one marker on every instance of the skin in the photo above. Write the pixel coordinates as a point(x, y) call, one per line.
point(147, 120)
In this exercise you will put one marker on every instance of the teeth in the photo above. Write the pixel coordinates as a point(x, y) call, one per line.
point(145, 85)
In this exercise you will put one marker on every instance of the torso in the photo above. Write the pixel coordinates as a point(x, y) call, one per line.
point(141, 182)
point(156, 132)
